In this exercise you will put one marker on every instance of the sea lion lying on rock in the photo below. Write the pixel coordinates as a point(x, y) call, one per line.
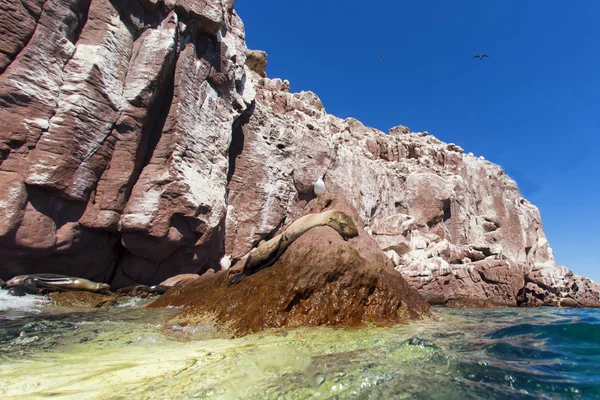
point(143, 290)
point(37, 283)
point(267, 253)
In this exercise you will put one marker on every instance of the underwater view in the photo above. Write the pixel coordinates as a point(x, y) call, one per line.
point(130, 352)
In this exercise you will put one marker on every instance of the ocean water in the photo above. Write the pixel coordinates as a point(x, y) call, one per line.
point(130, 352)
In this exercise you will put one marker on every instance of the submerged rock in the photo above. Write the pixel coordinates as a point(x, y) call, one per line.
point(321, 279)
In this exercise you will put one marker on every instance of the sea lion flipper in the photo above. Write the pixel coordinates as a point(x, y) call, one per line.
point(159, 289)
point(235, 279)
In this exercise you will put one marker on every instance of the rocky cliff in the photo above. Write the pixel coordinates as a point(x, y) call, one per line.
point(141, 139)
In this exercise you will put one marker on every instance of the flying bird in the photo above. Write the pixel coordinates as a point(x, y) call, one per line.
point(382, 56)
point(481, 56)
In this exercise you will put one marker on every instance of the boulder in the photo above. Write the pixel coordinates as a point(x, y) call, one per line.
point(256, 60)
point(321, 279)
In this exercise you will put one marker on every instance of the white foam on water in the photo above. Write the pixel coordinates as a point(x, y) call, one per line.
point(26, 304)
point(131, 302)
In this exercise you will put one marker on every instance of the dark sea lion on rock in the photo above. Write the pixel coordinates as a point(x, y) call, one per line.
point(159, 289)
point(135, 291)
point(55, 282)
point(143, 290)
point(267, 253)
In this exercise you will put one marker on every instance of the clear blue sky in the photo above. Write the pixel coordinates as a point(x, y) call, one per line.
point(533, 107)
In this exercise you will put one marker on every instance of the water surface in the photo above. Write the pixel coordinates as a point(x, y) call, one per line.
point(128, 352)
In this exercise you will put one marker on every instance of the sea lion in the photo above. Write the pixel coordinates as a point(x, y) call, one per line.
point(57, 282)
point(159, 289)
point(17, 280)
point(267, 253)
point(143, 290)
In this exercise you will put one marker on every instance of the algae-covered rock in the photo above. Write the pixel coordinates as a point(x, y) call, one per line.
point(81, 299)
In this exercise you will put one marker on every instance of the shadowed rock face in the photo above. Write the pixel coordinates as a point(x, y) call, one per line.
point(115, 124)
point(141, 139)
point(319, 280)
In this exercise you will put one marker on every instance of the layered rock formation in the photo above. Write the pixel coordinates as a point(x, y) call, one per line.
point(116, 124)
point(140, 140)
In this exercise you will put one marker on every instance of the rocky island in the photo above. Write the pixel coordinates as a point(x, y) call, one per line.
point(140, 140)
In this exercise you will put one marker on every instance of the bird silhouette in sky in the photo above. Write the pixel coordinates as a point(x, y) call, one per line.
point(382, 56)
point(481, 56)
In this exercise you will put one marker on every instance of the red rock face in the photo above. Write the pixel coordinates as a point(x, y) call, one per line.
point(141, 140)
point(116, 125)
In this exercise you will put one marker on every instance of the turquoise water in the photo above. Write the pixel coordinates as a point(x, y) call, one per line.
point(128, 352)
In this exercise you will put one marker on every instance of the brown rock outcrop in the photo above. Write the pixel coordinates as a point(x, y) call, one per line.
point(142, 139)
point(319, 280)
point(80, 299)
point(256, 60)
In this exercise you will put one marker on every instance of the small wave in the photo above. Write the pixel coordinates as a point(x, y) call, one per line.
point(15, 306)
point(527, 352)
point(131, 302)
point(571, 331)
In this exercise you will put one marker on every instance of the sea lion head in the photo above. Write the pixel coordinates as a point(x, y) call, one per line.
point(342, 223)
point(17, 280)
point(84, 284)
point(101, 286)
